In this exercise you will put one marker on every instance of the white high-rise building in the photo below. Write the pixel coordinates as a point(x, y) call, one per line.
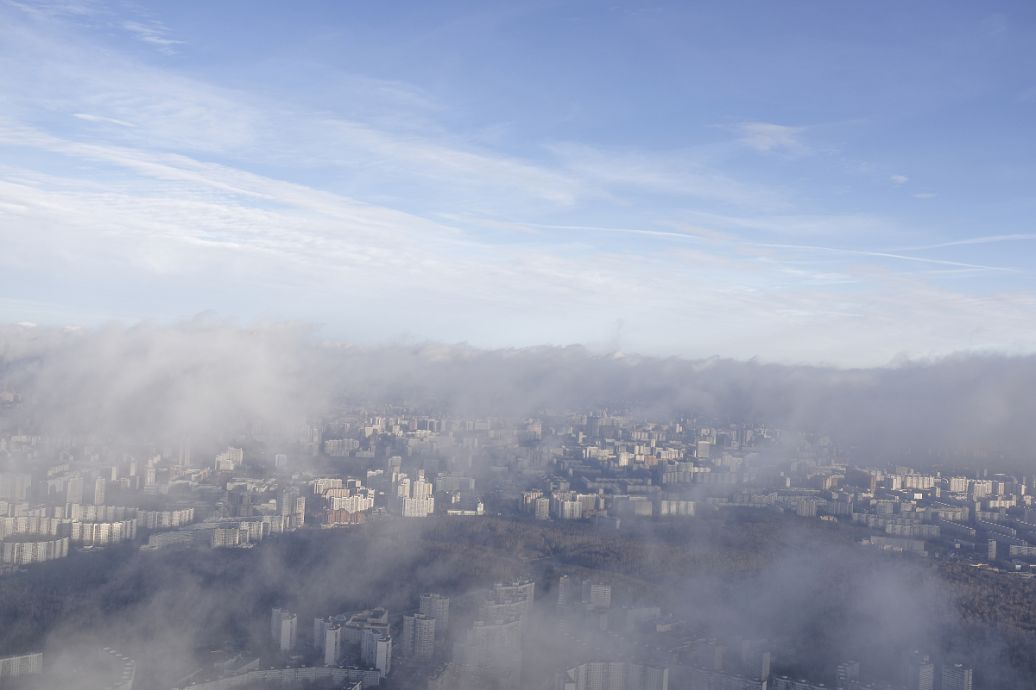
point(920, 672)
point(20, 665)
point(520, 592)
point(275, 623)
point(284, 629)
point(596, 595)
point(956, 677)
point(74, 489)
point(320, 626)
point(494, 649)
point(847, 675)
point(438, 607)
point(421, 488)
point(230, 459)
point(419, 636)
point(566, 591)
point(376, 650)
point(614, 676)
point(414, 499)
point(15, 486)
point(417, 507)
point(332, 644)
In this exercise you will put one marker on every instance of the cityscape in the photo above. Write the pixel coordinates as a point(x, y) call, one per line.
point(581, 527)
point(523, 345)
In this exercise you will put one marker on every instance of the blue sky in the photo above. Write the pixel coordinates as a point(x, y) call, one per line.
point(800, 182)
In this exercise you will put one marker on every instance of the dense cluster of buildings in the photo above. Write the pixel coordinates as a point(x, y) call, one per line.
point(60, 495)
point(84, 669)
point(611, 469)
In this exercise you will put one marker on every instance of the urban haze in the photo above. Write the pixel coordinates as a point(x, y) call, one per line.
point(517, 346)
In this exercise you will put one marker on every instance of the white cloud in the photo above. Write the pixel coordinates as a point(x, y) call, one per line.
point(767, 137)
point(55, 8)
point(678, 175)
point(984, 239)
point(153, 33)
point(101, 119)
point(899, 179)
point(450, 162)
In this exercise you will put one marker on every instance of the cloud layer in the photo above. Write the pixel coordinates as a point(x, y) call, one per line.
point(210, 379)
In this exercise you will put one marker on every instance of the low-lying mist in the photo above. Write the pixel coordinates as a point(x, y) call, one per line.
point(205, 377)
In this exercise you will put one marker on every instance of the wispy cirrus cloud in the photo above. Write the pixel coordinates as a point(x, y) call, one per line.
point(89, 117)
point(888, 255)
point(676, 174)
point(200, 229)
point(153, 191)
point(769, 137)
point(55, 8)
point(966, 241)
point(153, 33)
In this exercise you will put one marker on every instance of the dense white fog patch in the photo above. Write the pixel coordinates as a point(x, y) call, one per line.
point(191, 380)
point(203, 376)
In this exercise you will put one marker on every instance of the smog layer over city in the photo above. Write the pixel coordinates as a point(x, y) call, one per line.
point(517, 345)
